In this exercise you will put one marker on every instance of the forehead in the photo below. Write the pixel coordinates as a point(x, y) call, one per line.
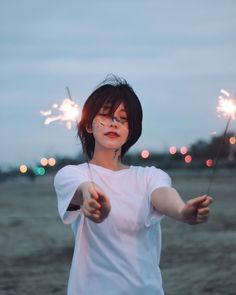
point(108, 106)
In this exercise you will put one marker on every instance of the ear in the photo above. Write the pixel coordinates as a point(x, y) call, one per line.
point(89, 129)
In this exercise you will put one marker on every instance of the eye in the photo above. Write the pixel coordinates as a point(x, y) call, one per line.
point(124, 118)
point(103, 114)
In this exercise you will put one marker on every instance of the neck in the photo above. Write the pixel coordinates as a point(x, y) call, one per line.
point(107, 159)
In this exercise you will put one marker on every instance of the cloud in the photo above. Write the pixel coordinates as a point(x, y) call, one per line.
point(208, 61)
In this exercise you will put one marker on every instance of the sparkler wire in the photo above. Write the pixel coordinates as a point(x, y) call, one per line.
point(87, 159)
point(215, 162)
point(231, 115)
point(68, 92)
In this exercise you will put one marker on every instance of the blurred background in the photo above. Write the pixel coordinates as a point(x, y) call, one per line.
point(178, 56)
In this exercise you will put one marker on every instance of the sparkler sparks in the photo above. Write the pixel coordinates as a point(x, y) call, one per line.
point(226, 108)
point(68, 111)
point(227, 105)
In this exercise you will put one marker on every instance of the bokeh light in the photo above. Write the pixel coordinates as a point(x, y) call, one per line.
point(232, 140)
point(183, 150)
point(39, 171)
point(188, 159)
point(51, 162)
point(44, 162)
point(209, 163)
point(145, 154)
point(23, 168)
point(173, 150)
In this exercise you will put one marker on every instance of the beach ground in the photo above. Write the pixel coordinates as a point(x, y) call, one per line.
point(36, 248)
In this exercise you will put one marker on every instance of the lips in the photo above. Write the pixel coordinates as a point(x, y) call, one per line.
point(112, 134)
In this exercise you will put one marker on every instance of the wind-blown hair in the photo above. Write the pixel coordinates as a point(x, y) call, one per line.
point(112, 91)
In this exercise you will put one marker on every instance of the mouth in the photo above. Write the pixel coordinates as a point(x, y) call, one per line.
point(112, 134)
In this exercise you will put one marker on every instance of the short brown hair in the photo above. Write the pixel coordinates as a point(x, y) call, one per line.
point(112, 91)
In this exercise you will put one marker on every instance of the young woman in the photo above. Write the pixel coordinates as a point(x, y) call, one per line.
point(115, 210)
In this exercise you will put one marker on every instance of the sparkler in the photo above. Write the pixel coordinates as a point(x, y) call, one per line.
point(226, 108)
point(68, 111)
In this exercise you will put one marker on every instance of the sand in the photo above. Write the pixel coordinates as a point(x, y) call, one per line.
point(36, 248)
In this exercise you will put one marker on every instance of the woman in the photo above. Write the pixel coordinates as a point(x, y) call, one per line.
point(115, 210)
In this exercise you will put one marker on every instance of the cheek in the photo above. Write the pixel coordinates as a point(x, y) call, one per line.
point(97, 124)
point(127, 129)
point(126, 133)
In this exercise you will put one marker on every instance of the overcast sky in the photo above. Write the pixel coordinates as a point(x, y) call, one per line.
point(177, 55)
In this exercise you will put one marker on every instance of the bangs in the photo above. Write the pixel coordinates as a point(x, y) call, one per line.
point(112, 103)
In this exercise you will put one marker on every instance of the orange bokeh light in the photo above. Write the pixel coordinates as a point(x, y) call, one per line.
point(209, 163)
point(51, 162)
point(44, 162)
point(188, 159)
point(173, 150)
point(145, 154)
point(232, 140)
point(183, 150)
point(23, 168)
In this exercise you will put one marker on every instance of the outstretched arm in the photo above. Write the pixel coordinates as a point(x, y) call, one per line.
point(167, 201)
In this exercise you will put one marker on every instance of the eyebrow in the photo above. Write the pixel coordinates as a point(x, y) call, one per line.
point(107, 108)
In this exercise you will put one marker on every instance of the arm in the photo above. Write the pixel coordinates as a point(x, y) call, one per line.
point(166, 200)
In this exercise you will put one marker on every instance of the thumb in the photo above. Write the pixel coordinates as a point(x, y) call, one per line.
point(94, 192)
point(99, 195)
point(197, 201)
point(102, 198)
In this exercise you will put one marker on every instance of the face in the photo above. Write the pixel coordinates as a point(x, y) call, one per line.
point(110, 132)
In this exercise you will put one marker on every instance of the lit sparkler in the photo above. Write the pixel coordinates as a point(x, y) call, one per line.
point(68, 111)
point(226, 108)
point(227, 105)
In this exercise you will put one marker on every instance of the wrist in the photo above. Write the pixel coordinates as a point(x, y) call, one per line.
point(182, 214)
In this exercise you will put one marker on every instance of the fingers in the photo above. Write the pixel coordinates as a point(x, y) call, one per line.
point(201, 202)
point(98, 194)
point(199, 209)
point(96, 205)
point(91, 206)
point(91, 200)
point(206, 202)
point(92, 215)
point(202, 219)
point(197, 201)
point(203, 210)
point(202, 215)
point(101, 196)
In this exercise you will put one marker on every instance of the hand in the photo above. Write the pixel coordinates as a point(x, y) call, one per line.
point(96, 205)
point(196, 210)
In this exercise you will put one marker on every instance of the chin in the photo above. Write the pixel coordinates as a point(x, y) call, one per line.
point(113, 147)
point(111, 144)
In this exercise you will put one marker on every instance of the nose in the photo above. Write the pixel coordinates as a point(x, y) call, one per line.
point(114, 122)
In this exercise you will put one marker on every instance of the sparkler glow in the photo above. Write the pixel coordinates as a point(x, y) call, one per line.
point(227, 105)
point(226, 108)
point(68, 111)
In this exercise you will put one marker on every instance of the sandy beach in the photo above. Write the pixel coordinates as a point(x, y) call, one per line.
point(36, 248)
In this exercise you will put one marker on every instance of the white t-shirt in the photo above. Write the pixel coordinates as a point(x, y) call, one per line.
point(120, 255)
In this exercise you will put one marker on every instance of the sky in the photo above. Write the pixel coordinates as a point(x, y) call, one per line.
point(177, 55)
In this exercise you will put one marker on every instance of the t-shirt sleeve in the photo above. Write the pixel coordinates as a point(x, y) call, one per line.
point(66, 183)
point(156, 178)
